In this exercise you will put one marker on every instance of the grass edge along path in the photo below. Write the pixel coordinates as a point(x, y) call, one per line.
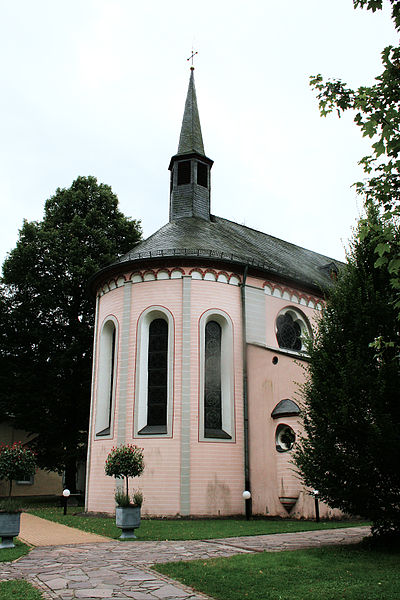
point(353, 572)
point(18, 589)
point(186, 529)
point(11, 554)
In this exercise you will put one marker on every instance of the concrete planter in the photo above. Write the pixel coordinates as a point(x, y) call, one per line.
point(9, 528)
point(128, 519)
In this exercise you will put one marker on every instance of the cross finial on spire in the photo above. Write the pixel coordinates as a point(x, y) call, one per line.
point(192, 57)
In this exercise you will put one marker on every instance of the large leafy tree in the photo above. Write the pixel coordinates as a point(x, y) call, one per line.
point(377, 113)
point(47, 318)
point(351, 448)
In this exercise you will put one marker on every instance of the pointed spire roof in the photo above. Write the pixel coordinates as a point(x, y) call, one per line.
point(191, 139)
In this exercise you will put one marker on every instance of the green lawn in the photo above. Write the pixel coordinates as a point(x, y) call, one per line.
point(330, 573)
point(17, 589)
point(9, 554)
point(185, 529)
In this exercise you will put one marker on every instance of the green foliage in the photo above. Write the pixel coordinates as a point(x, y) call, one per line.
point(10, 505)
point(10, 590)
point(47, 318)
point(377, 114)
point(125, 461)
point(9, 554)
point(378, 5)
point(16, 462)
point(122, 499)
point(351, 413)
point(137, 498)
point(330, 573)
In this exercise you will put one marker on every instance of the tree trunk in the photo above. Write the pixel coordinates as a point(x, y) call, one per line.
point(10, 489)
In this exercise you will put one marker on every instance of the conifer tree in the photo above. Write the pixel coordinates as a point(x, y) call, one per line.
point(351, 448)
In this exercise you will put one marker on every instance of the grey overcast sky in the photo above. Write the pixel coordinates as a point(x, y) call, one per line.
point(97, 87)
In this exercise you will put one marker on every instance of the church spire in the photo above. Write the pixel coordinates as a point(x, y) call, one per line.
point(190, 167)
point(191, 139)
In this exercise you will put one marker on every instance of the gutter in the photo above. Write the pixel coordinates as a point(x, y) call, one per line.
point(247, 486)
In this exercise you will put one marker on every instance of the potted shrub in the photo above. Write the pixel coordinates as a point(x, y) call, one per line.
point(123, 462)
point(16, 462)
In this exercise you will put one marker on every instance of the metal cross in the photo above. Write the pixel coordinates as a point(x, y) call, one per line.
point(192, 56)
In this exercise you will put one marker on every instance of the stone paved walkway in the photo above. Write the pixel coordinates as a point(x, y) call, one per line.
point(120, 570)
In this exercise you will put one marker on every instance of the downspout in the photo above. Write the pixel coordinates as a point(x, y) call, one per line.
point(91, 414)
point(248, 502)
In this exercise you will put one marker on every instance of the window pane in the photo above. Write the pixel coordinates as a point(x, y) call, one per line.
point(157, 373)
point(288, 332)
point(212, 387)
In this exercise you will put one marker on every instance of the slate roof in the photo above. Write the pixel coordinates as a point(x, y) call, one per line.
point(214, 240)
point(221, 239)
point(191, 139)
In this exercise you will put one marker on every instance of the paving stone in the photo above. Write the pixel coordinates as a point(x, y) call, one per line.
point(169, 591)
point(116, 570)
point(139, 595)
point(56, 584)
point(98, 593)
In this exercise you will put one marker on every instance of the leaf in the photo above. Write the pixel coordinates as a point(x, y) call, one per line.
point(394, 265)
point(382, 248)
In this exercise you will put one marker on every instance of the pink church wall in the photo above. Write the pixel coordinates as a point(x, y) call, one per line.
point(273, 475)
point(271, 472)
point(160, 481)
point(216, 467)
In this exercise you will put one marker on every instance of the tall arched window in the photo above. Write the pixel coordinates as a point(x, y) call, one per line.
point(106, 376)
point(212, 379)
point(157, 372)
point(154, 373)
point(216, 377)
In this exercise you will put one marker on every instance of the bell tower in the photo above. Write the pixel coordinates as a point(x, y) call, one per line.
point(190, 167)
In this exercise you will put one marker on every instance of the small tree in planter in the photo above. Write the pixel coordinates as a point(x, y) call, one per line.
point(123, 462)
point(16, 462)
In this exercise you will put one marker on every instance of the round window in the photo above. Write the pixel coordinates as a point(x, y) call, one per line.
point(291, 330)
point(285, 438)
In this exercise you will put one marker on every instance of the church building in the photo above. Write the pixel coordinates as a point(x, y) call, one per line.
point(198, 353)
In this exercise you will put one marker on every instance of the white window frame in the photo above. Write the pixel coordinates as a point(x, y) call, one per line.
point(141, 429)
point(104, 412)
point(227, 374)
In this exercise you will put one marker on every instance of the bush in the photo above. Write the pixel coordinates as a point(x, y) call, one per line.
point(16, 462)
point(125, 461)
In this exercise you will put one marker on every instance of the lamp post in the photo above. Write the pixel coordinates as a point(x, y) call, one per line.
point(66, 495)
point(315, 493)
point(246, 497)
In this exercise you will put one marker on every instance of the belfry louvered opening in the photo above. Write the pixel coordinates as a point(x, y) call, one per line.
point(184, 172)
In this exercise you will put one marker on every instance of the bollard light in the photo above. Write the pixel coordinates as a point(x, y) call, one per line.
point(66, 495)
point(315, 493)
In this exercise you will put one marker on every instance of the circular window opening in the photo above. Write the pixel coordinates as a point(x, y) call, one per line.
point(285, 438)
point(291, 330)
